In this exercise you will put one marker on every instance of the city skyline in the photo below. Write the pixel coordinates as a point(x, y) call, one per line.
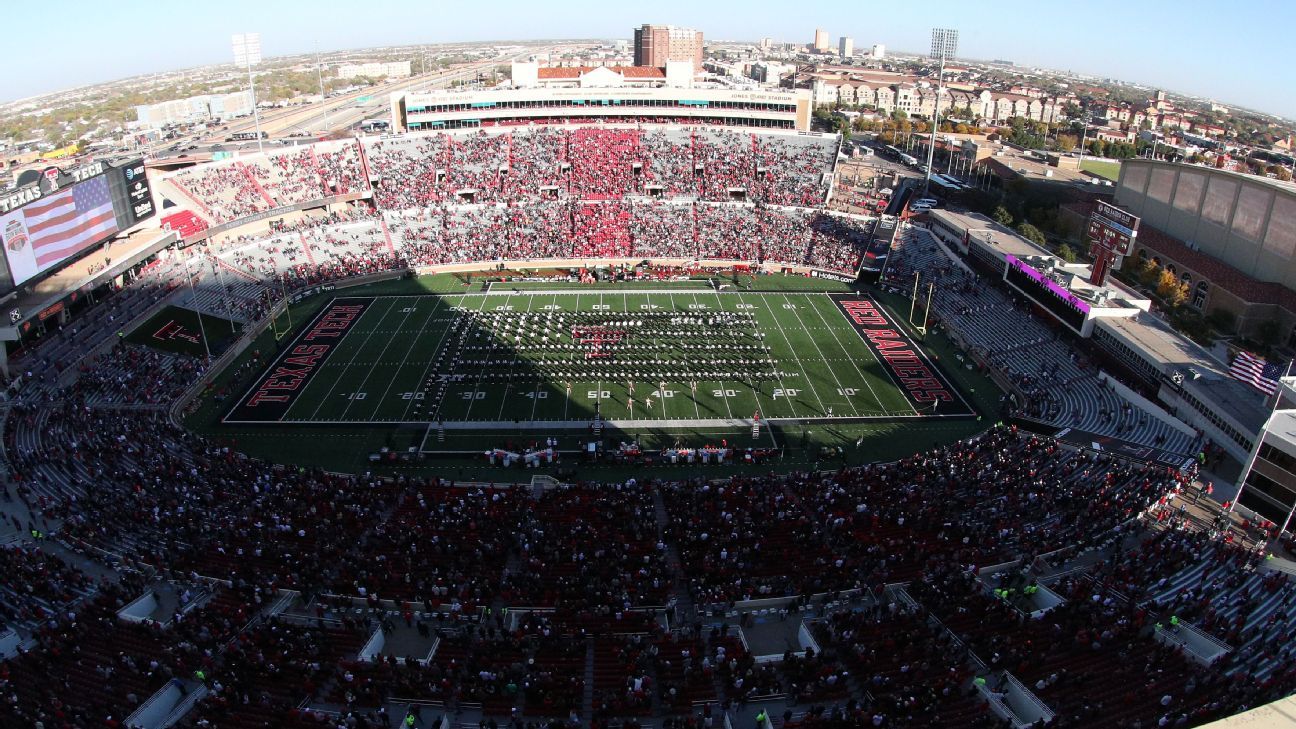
point(1184, 58)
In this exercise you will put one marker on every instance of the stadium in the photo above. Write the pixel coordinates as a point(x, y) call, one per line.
point(603, 423)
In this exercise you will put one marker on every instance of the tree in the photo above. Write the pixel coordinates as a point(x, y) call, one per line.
point(1170, 289)
point(1097, 147)
point(1148, 272)
point(1223, 320)
point(1067, 142)
point(1002, 216)
point(1066, 253)
point(1032, 234)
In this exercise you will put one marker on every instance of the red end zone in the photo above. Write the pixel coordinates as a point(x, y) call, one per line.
point(928, 390)
point(275, 391)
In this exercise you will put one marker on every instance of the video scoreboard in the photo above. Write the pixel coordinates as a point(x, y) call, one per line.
point(67, 213)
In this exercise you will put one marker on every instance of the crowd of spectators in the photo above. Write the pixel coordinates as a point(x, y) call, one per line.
point(233, 189)
point(599, 164)
point(597, 565)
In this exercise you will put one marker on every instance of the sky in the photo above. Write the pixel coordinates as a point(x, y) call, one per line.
point(1189, 46)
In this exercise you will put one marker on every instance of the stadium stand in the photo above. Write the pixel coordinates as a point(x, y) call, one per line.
point(901, 593)
point(1056, 383)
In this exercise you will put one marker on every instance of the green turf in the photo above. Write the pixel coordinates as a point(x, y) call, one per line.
point(377, 372)
point(1109, 170)
point(348, 447)
point(176, 329)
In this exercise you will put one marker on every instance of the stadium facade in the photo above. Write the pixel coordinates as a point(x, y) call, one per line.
point(1231, 238)
point(630, 104)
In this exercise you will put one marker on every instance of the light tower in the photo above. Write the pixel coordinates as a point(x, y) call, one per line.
point(247, 53)
point(944, 44)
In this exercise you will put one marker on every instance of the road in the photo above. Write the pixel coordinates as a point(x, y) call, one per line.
point(315, 120)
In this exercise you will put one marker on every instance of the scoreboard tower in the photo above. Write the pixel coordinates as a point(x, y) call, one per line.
point(1111, 234)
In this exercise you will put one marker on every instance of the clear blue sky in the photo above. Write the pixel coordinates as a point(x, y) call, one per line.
point(1236, 52)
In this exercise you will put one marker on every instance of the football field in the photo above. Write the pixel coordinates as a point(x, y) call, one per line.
point(570, 357)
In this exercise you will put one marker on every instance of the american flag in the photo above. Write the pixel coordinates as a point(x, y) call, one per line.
point(63, 224)
point(1256, 372)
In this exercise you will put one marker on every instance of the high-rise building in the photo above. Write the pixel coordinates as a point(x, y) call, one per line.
point(878, 52)
point(654, 45)
point(846, 47)
point(766, 44)
point(821, 40)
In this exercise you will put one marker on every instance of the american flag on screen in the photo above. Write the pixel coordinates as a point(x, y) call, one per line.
point(1256, 372)
point(64, 223)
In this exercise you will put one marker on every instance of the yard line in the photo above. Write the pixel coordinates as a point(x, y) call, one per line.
point(432, 361)
point(815, 341)
point(342, 374)
point(783, 387)
point(482, 370)
point(567, 384)
point(881, 364)
point(693, 393)
point(509, 384)
point(396, 335)
point(413, 342)
point(823, 409)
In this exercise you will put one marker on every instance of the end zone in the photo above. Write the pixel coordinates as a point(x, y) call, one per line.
point(274, 392)
point(928, 390)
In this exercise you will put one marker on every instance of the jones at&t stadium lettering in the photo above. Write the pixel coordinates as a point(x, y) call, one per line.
point(281, 384)
point(923, 384)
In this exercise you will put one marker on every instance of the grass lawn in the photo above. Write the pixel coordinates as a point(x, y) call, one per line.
point(176, 329)
point(1109, 170)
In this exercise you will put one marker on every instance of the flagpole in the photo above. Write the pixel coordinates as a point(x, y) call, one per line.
point(1255, 450)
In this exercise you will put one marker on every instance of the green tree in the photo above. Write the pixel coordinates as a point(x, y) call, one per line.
point(1032, 234)
point(1066, 253)
point(1002, 216)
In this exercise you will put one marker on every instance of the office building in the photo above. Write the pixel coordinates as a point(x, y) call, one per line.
point(399, 69)
point(846, 47)
point(654, 45)
point(194, 109)
point(821, 41)
point(878, 52)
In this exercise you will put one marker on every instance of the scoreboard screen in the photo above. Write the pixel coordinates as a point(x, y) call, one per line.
point(66, 214)
point(1112, 229)
point(132, 196)
point(53, 223)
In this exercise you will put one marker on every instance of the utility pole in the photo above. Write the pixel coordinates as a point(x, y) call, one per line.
point(944, 44)
point(319, 71)
point(247, 53)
